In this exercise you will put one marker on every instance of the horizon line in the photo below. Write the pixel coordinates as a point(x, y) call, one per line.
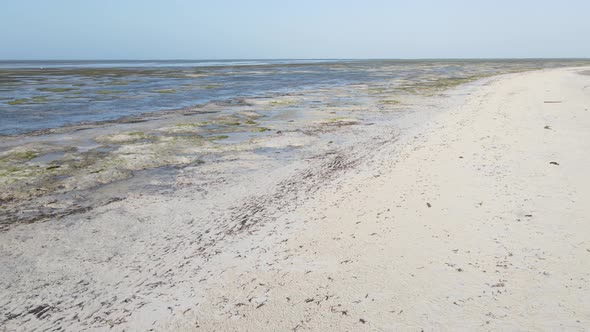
point(306, 59)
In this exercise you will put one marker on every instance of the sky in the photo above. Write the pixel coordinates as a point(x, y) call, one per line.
point(275, 29)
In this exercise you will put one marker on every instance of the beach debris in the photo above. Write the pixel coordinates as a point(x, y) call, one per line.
point(428, 204)
point(362, 320)
point(547, 127)
point(40, 310)
point(554, 163)
point(552, 101)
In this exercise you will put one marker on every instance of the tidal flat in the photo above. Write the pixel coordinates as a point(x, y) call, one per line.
point(336, 203)
point(71, 133)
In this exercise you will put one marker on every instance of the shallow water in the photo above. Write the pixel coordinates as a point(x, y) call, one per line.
point(38, 95)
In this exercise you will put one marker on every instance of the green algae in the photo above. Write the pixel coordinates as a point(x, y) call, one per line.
point(440, 84)
point(218, 137)
point(108, 92)
point(285, 102)
point(340, 121)
point(18, 102)
point(165, 91)
point(20, 155)
point(126, 137)
point(212, 86)
point(390, 102)
point(39, 100)
point(56, 89)
point(376, 91)
point(192, 124)
point(119, 83)
point(33, 100)
point(261, 129)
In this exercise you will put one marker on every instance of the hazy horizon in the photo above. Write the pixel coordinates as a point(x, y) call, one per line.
point(286, 59)
point(232, 30)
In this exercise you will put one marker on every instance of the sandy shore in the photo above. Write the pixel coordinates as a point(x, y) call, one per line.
point(470, 214)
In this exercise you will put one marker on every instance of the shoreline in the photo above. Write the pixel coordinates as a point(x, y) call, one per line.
point(33, 95)
point(62, 171)
point(448, 216)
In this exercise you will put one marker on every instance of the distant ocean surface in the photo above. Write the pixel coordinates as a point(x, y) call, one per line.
point(36, 95)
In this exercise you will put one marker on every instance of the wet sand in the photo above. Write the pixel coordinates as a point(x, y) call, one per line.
point(466, 211)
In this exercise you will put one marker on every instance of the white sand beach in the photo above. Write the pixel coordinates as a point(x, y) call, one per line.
point(471, 214)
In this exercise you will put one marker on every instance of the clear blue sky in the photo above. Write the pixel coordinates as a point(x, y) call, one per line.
point(226, 29)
